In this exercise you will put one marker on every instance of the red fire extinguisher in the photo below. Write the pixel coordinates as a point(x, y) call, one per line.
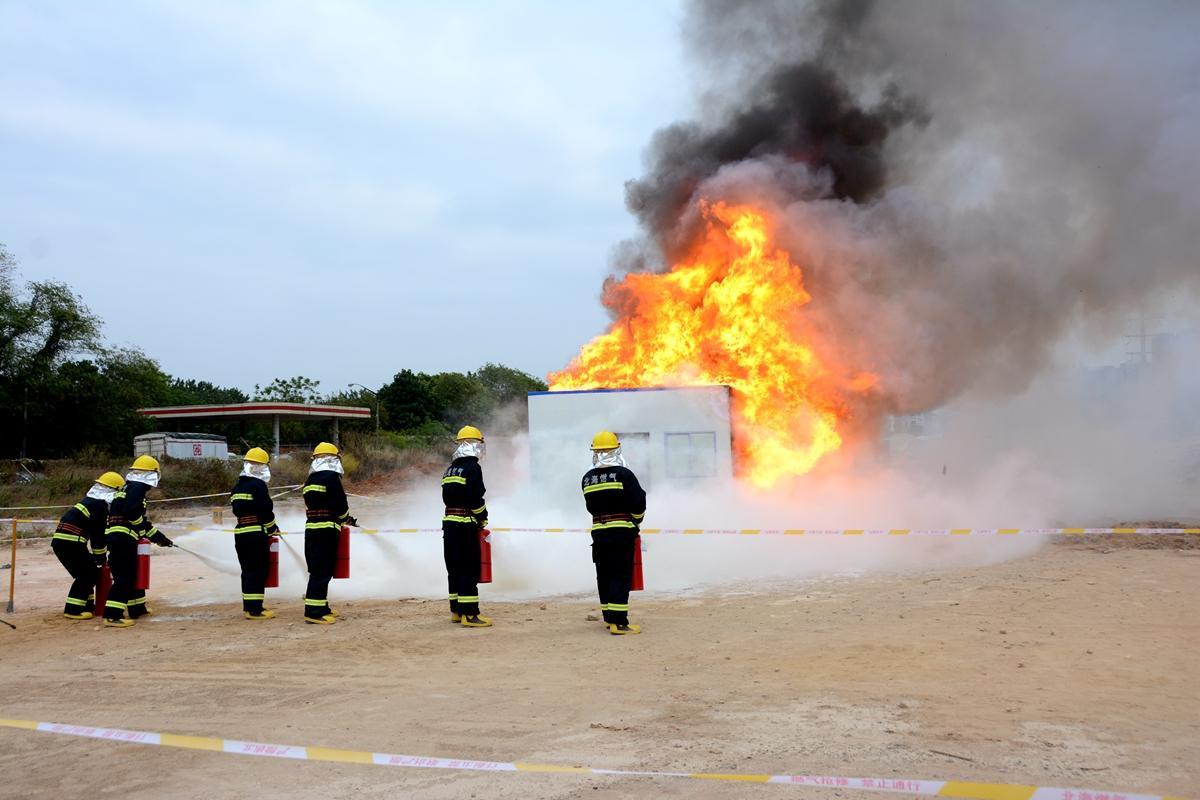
point(636, 584)
point(273, 564)
point(341, 567)
point(485, 556)
point(103, 584)
point(143, 564)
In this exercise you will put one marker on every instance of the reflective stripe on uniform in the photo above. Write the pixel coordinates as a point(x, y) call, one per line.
point(454, 479)
point(595, 487)
point(122, 529)
point(114, 604)
point(314, 487)
point(83, 510)
point(455, 518)
point(618, 606)
point(249, 529)
point(479, 510)
point(638, 517)
point(462, 598)
point(253, 596)
point(453, 597)
point(241, 496)
point(620, 523)
point(74, 601)
point(316, 603)
point(316, 526)
point(141, 601)
point(66, 537)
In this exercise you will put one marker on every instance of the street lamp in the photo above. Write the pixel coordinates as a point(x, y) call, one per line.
point(377, 404)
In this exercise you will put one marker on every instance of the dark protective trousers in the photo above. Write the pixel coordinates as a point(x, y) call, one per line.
point(320, 551)
point(614, 575)
point(254, 554)
point(460, 547)
point(122, 560)
point(79, 562)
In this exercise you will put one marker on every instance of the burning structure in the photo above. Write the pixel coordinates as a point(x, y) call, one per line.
point(875, 214)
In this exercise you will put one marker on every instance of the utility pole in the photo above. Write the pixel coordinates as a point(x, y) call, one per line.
point(378, 407)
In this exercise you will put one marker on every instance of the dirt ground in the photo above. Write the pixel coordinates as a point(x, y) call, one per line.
point(1075, 666)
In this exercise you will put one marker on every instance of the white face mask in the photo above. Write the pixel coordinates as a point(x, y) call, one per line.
point(608, 458)
point(146, 476)
point(470, 448)
point(101, 492)
point(256, 470)
point(322, 463)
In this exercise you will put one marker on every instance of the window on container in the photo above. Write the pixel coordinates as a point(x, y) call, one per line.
point(692, 455)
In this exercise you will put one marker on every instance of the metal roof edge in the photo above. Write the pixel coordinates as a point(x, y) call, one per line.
point(636, 389)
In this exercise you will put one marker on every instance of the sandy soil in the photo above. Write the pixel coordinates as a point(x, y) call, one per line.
point(1070, 667)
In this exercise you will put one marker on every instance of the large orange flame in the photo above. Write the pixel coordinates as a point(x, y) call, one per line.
point(729, 314)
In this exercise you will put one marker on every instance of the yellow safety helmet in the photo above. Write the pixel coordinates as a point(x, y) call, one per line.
point(111, 479)
point(469, 432)
point(256, 455)
point(605, 440)
point(146, 463)
point(325, 449)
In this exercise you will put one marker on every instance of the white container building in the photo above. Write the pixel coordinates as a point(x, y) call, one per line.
point(669, 436)
point(180, 445)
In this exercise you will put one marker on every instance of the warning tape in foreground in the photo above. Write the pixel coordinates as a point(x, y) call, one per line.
point(964, 789)
point(819, 531)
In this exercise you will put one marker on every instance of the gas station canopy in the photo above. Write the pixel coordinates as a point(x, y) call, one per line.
point(251, 411)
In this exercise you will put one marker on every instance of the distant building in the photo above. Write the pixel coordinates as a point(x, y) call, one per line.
point(180, 445)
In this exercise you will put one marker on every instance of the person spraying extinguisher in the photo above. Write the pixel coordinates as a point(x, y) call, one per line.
point(327, 511)
point(465, 516)
point(82, 526)
point(255, 514)
point(128, 521)
point(617, 503)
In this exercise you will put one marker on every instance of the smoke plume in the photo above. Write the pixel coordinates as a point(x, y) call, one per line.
point(960, 183)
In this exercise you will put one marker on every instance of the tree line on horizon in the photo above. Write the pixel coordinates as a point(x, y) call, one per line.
point(63, 391)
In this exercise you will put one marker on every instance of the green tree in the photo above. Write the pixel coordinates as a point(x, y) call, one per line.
point(41, 324)
point(408, 401)
point(185, 392)
point(290, 390)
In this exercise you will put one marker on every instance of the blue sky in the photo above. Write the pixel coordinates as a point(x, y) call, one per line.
point(334, 189)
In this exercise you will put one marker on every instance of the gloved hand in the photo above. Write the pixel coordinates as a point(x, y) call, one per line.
point(352, 522)
point(160, 539)
point(100, 559)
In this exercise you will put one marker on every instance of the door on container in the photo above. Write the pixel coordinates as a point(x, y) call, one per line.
point(636, 449)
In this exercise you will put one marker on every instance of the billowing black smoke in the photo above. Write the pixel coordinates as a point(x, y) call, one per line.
point(962, 184)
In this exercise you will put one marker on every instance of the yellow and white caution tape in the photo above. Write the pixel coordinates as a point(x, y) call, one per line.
point(928, 788)
point(828, 531)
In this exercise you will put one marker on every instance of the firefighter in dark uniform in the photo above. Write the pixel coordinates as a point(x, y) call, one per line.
point(617, 504)
point(81, 526)
point(466, 514)
point(255, 525)
point(326, 510)
point(127, 521)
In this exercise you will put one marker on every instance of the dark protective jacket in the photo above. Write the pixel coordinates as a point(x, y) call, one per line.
point(84, 523)
point(252, 506)
point(616, 501)
point(462, 492)
point(128, 514)
point(325, 504)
